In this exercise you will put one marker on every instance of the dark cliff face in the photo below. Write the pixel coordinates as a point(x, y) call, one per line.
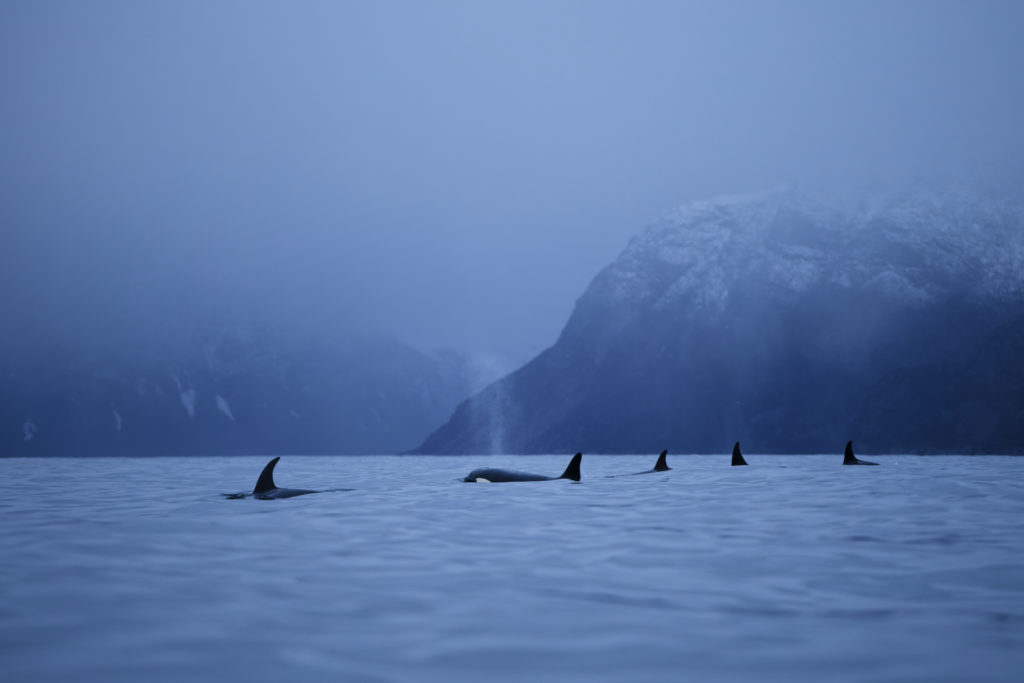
point(789, 326)
point(238, 394)
point(973, 406)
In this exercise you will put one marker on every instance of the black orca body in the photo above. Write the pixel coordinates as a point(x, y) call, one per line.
point(495, 475)
point(737, 457)
point(850, 459)
point(266, 489)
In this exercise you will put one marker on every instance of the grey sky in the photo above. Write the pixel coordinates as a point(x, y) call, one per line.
point(451, 173)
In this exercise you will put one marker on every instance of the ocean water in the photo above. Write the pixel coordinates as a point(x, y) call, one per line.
point(794, 568)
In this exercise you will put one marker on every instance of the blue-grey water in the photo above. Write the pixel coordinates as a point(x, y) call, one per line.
point(794, 568)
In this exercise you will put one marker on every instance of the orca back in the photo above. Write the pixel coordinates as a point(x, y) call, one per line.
point(850, 459)
point(496, 475)
point(277, 493)
point(737, 456)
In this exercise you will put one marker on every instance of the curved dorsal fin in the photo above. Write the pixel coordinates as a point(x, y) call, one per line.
point(573, 470)
point(661, 465)
point(848, 457)
point(737, 457)
point(266, 480)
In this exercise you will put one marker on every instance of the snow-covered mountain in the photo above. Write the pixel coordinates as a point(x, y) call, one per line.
point(238, 392)
point(788, 324)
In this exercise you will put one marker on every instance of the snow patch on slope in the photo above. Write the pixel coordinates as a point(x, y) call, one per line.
point(908, 249)
point(29, 428)
point(188, 397)
point(894, 286)
point(222, 406)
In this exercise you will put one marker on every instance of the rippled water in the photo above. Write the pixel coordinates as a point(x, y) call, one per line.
point(794, 568)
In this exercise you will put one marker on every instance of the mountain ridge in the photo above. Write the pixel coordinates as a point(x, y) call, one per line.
point(233, 393)
point(770, 318)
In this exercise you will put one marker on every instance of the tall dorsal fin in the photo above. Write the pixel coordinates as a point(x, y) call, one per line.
point(573, 470)
point(266, 481)
point(737, 457)
point(848, 457)
point(661, 465)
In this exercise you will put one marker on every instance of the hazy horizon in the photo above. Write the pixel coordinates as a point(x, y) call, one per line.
point(451, 174)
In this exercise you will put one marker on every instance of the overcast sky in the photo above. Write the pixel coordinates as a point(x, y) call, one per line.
point(450, 173)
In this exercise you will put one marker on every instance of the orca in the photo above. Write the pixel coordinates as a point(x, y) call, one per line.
point(495, 475)
point(660, 466)
point(850, 459)
point(266, 489)
point(737, 457)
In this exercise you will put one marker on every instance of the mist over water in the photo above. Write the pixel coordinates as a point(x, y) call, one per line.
point(452, 174)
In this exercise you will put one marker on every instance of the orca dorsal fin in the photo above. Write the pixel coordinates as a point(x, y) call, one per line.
point(737, 456)
point(661, 465)
point(573, 470)
point(848, 457)
point(266, 481)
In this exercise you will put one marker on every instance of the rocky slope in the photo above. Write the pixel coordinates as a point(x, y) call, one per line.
point(787, 324)
point(234, 394)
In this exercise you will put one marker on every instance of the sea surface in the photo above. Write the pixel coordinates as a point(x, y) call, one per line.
point(792, 569)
